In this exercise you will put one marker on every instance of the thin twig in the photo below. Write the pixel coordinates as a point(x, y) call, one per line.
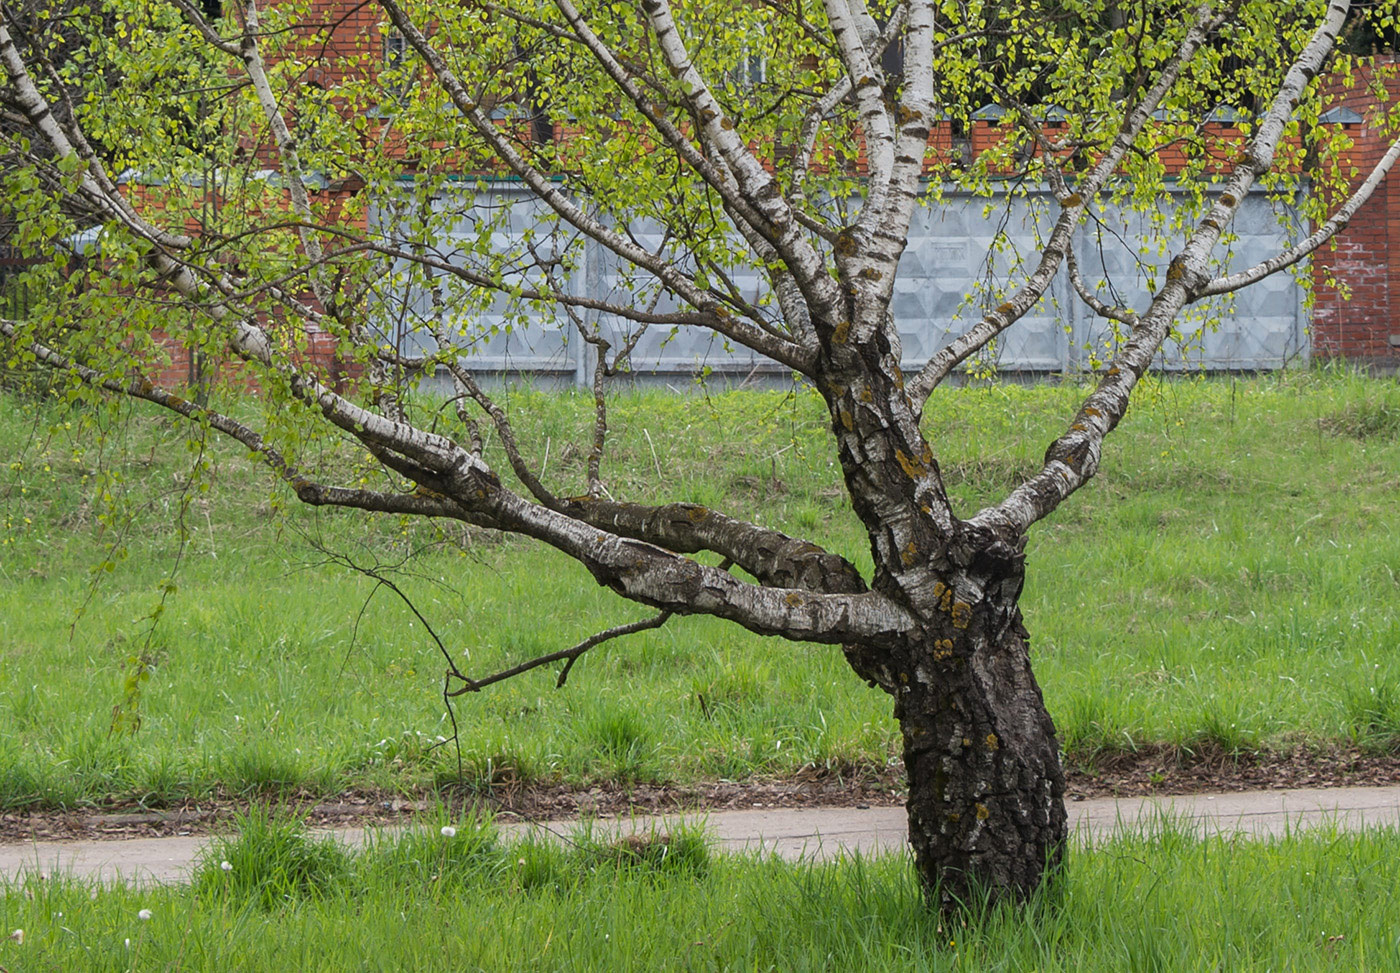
point(572, 653)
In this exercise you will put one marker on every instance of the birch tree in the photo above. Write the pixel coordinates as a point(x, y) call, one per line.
point(237, 171)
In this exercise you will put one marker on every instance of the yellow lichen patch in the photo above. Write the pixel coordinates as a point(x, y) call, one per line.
point(841, 332)
point(945, 603)
point(1228, 199)
point(954, 817)
point(904, 678)
point(845, 416)
point(1176, 269)
point(908, 554)
point(942, 649)
point(962, 614)
point(697, 513)
point(866, 395)
point(1113, 370)
point(1091, 412)
point(1073, 199)
point(1079, 427)
point(992, 742)
point(1005, 308)
point(793, 599)
point(982, 812)
point(967, 741)
point(845, 243)
point(912, 468)
point(938, 588)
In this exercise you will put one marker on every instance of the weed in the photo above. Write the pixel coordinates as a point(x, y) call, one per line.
point(682, 850)
point(262, 769)
point(271, 861)
point(1222, 726)
point(1372, 710)
point(439, 851)
point(1091, 724)
point(1371, 417)
point(623, 739)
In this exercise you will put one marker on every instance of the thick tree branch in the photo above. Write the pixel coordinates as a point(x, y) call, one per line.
point(771, 556)
point(719, 317)
point(1324, 232)
point(1072, 204)
point(308, 491)
point(758, 186)
point(826, 104)
point(1073, 458)
point(867, 91)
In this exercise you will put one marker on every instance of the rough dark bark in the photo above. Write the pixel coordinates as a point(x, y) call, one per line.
point(986, 789)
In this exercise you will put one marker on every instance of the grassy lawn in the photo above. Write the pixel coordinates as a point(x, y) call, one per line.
point(1229, 579)
point(1158, 900)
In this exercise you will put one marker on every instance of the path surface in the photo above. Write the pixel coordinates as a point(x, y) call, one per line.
point(812, 832)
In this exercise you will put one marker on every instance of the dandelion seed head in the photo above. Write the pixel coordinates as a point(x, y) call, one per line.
point(144, 915)
point(448, 831)
point(226, 865)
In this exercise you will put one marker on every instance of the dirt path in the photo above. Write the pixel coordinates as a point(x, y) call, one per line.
point(813, 832)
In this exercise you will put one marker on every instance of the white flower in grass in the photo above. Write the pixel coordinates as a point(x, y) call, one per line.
point(448, 831)
point(18, 936)
point(226, 865)
point(144, 915)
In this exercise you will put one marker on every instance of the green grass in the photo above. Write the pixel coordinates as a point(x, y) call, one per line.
point(1160, 899)
point(1229, 580)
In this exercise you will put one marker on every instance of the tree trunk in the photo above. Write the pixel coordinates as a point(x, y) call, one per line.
point(986, 788)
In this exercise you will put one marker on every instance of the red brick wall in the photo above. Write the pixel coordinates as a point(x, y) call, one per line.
point(321, 356)
point(1360, 320)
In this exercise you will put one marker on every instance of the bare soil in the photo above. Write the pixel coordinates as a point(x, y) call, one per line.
point(1142, 772)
